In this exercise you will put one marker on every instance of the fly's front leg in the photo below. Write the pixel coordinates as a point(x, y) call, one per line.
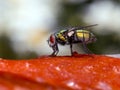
point(55, 50)
point(53, 54)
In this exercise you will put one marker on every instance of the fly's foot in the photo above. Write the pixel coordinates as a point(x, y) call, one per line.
point(74, 53)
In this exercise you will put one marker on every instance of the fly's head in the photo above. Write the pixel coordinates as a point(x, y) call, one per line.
point(52, 40)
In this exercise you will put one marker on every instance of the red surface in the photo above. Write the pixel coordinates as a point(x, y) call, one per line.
point(81, 72)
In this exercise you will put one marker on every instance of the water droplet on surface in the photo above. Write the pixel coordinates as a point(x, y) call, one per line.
point(73, 85)
point(27, 65)
point(57, 68)
point(103, 86)
point(116, 69)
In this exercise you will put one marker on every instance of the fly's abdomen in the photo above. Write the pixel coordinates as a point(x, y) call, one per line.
point(82, 35)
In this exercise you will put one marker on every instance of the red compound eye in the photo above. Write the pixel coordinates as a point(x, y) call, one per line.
point(52, 39)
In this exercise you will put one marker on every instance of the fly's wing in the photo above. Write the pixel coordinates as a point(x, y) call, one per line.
point(81, 27)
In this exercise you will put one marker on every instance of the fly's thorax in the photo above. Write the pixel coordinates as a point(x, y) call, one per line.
point(70, 33)
point(61, 35)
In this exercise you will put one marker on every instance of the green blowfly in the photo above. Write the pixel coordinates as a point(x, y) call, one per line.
point(71, 36)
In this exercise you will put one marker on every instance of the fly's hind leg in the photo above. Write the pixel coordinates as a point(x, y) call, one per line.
point(85, 46)
point(86, 49)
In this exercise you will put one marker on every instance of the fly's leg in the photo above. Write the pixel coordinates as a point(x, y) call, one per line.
point(71, 49)
point(70, 40)
point(55, 50)
point(53, 54)
point(86, 49)
point(85, 46)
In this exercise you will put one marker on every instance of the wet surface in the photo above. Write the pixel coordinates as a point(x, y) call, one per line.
point(80, 71)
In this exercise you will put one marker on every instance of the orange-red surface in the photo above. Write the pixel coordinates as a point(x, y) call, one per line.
point(79, 72)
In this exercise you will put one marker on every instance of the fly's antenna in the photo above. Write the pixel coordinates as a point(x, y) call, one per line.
point(82, 27)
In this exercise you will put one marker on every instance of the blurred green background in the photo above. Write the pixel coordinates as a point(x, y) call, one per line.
point(25, 25)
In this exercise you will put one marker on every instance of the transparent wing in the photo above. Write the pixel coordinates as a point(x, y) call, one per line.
point(81, 27)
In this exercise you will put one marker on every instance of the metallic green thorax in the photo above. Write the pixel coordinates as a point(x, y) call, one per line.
point(61, 36)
